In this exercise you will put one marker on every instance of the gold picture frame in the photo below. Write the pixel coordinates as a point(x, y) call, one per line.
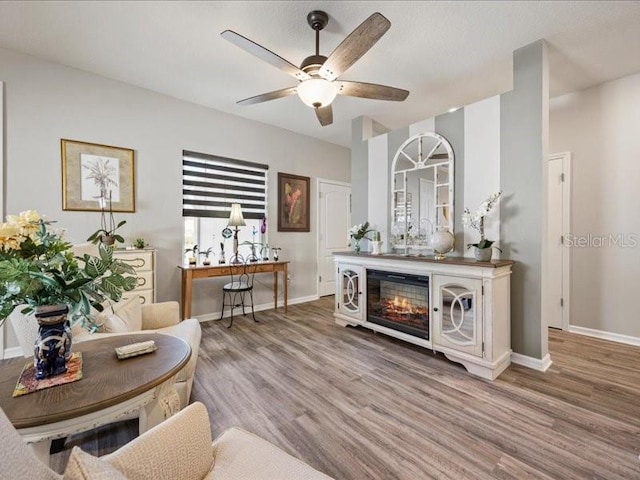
point(91, 171)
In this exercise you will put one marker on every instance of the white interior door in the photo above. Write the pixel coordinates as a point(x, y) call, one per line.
point(557, 255)
point(334, 220)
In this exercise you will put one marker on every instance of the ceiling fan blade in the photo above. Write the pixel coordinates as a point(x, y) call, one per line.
point(325, 115)
point(264, 54)
point(371, 90)
point(355, 46)
point(285, 92)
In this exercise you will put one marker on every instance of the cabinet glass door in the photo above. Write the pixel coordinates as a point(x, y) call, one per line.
point(350, 294)
point(458, 313)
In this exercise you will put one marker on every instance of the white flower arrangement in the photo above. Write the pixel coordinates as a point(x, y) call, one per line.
point(358, 232)
point(475, 219)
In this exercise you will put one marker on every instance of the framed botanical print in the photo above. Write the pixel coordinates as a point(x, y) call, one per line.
point(293, 203)
point(95, 177)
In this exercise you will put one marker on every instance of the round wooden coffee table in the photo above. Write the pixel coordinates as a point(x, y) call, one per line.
point(110, 390)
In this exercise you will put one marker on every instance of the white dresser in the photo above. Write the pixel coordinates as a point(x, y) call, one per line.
point(144, 262)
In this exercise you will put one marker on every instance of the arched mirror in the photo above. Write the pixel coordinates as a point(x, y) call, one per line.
point(422, 191)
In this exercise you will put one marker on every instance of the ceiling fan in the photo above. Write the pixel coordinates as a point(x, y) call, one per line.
point(318, 74)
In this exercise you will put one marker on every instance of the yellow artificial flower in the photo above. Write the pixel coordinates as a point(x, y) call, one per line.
point(9, 236)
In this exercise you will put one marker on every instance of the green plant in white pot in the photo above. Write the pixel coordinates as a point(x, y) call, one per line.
point(475, 219)
point(39, 272)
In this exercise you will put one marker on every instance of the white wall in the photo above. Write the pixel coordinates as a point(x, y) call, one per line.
point(600, 126)
point(482, 165)
point(378, 186)
point(46, 102)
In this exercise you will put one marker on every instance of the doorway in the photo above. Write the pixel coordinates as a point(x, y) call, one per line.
point(558, 229)
point(334, 220)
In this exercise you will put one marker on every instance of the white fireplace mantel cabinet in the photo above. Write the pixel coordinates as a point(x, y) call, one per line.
point(465, 315)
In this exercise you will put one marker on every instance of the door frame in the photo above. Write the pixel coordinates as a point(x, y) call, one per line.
point(2, 194)
point(330, 182)
point(566, 231)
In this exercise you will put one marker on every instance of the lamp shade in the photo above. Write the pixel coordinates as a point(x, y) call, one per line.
point(236, 219)
point(317, 92)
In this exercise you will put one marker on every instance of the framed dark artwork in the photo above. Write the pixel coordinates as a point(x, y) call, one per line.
point(293, 203)
point(93, 174)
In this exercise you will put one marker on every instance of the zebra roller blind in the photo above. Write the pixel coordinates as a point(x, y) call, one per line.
point(210, 184)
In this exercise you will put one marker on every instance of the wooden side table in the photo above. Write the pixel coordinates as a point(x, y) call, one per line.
point(110, 390)
point(191, 273)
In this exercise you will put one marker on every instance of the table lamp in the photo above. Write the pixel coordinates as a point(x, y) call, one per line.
point(236, 220)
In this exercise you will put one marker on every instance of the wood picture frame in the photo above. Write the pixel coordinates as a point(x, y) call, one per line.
point(294, 203)
point(91, 171)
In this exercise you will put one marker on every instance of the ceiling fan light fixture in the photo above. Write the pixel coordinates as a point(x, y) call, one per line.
point(317, 92)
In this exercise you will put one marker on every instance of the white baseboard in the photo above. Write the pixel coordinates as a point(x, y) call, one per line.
point(263, 306)
point(614, 337)
point(530, 362)
point(12, 352)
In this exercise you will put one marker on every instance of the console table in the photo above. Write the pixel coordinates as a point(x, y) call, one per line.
point(109, 391)
point(468, 305)
point(190, 273)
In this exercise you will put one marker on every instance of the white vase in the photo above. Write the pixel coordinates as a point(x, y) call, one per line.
point(376, 248)
point(441, 242)
point(483, 254)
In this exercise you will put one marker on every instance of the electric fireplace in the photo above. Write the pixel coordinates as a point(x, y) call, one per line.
point(399, 301)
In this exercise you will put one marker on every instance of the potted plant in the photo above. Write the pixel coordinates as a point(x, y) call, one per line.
point(39, 272)
point(475, 220)
point(107, 236)
point(140, 243)
point(107, 232)
point(357, 233)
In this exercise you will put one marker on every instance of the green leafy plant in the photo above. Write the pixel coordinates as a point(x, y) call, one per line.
point(358, 232)
point(140, 243)
point(38, 267)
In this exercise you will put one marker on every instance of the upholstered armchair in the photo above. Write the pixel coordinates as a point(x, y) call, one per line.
point(179, 448)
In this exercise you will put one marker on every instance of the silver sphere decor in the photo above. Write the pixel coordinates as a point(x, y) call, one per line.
point(442, 243)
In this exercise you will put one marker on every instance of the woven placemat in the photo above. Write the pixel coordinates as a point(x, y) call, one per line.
point(27, 382)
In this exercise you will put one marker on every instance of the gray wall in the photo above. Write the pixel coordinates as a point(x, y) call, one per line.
point(451, 127)
point(524, 133)
point(46, 102)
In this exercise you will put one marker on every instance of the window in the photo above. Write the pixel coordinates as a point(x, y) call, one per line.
point(210, 184)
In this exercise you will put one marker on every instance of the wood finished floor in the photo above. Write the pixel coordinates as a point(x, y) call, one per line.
point(359, 405)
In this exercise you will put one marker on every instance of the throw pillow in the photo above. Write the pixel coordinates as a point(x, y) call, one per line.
point(83, 466)
point(125, 316)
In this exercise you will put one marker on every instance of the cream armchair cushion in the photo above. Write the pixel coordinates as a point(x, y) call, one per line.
point(123, 317)
point(18, 462)
point(83, 466)
point(179, 448)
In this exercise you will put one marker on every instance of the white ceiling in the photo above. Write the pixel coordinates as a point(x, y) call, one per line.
point(445, 53)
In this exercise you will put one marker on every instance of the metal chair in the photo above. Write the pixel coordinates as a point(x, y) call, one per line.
point(237, 290)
